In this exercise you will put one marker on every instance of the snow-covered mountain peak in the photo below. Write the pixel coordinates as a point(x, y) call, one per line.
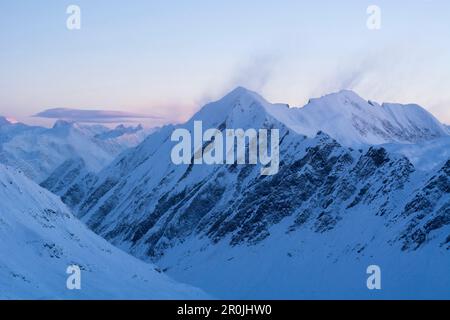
point(59, 124)
point(241, 108)
point(244, 93)
point(339, 99)
point(342, 104)
point(64, 128)
point(119, 131)
point(241, 97)
point(353, 121)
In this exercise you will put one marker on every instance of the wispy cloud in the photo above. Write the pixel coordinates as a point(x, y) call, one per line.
point(399, 76)
point(256, 72)
point(93, 116)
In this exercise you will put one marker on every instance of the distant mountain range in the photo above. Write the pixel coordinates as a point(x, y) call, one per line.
point(38, 151)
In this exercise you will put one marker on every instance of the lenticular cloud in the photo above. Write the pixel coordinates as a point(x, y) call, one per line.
point(79, 115)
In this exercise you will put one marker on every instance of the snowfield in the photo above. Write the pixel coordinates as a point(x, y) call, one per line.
point(40, 238)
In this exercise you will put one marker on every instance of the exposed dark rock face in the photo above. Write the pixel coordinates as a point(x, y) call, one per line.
point(318, 182)
point(71, 181)
point(429, 210)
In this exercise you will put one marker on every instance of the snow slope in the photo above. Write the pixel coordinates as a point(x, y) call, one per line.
point(309, 231)
point(39, 151)
point(40, 238)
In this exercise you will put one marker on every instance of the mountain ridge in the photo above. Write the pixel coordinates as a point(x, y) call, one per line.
point(354, 121)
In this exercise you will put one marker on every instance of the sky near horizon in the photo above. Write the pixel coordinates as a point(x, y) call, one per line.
point(167, 58)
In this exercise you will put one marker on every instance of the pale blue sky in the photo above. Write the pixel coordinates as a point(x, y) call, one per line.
point(166, 58)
